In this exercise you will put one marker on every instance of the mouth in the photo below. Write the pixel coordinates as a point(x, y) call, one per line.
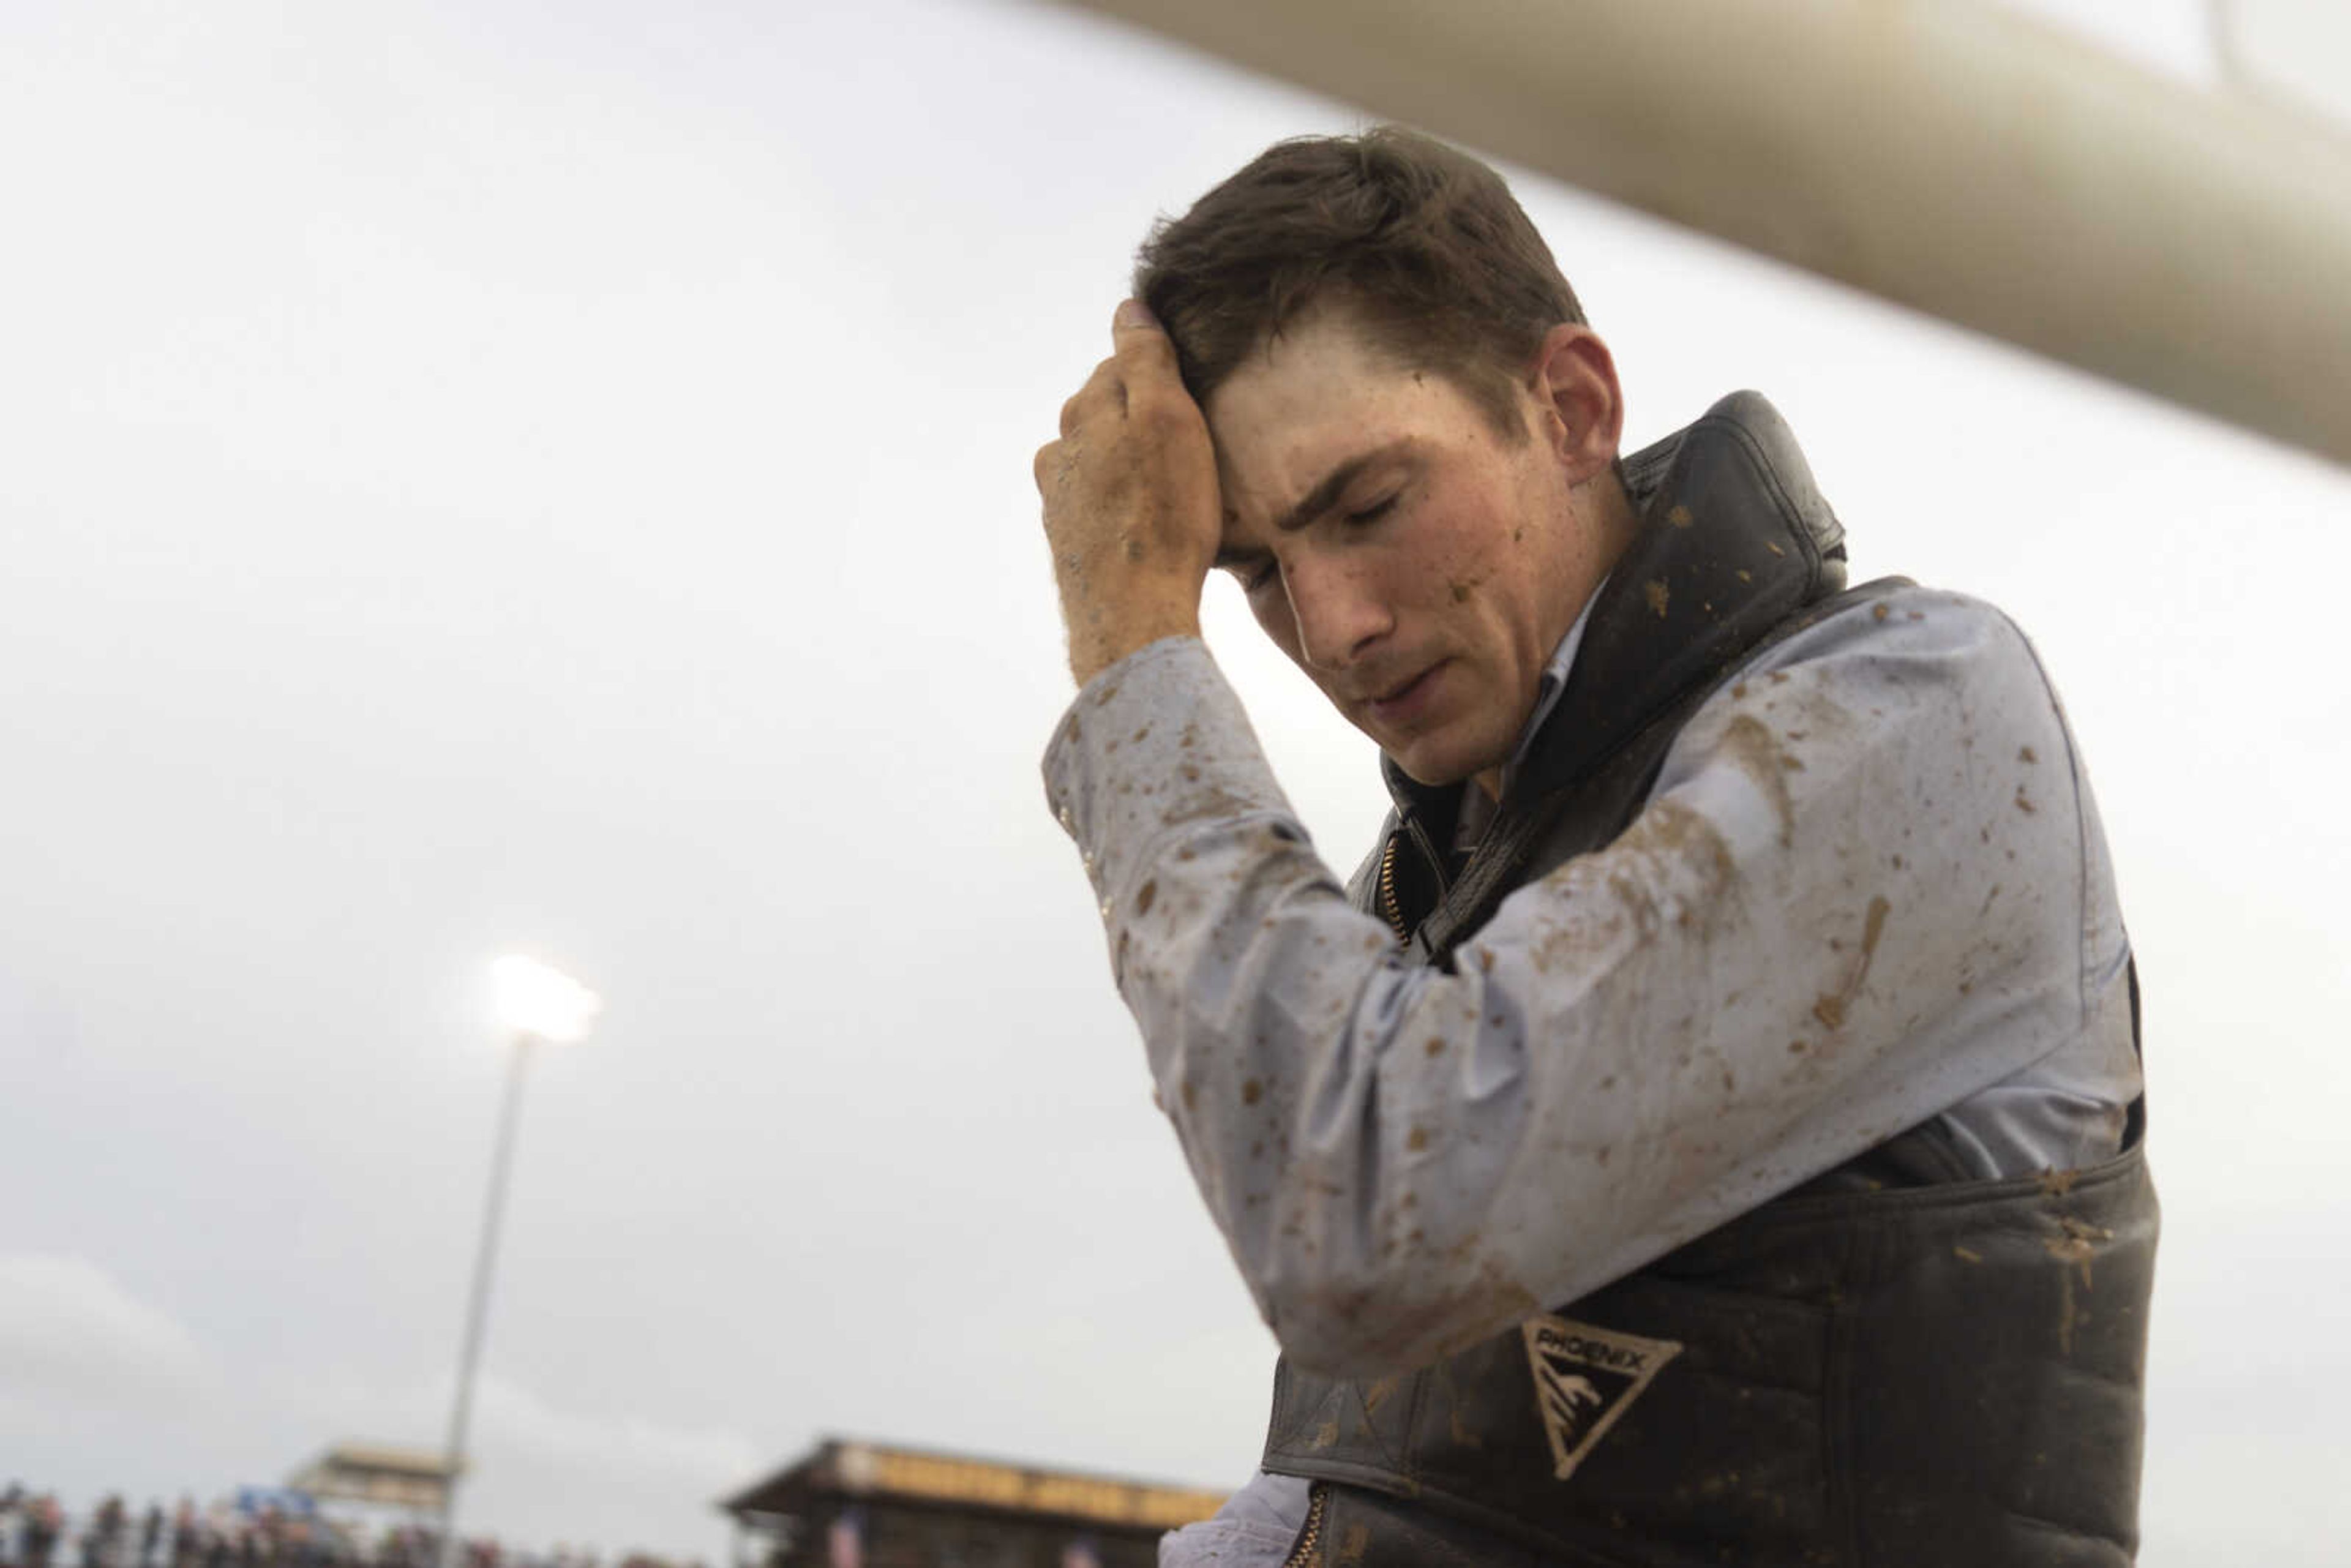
point(1402, 703)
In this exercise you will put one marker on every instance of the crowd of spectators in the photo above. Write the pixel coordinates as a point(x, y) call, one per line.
point(37, 1532)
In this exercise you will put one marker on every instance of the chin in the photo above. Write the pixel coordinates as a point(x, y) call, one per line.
point(1446, 752)
point(1438, 766)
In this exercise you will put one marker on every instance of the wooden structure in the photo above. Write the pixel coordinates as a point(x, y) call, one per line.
point(374, 1474)
point(879, 1507)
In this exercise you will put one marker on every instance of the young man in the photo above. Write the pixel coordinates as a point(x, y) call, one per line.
point(1707, 1129)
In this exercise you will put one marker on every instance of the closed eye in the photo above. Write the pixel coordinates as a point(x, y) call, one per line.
point(1374, 512)
point(1252, 572)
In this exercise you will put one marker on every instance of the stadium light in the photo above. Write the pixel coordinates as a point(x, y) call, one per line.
point(535, 1002)
point(543, 1002)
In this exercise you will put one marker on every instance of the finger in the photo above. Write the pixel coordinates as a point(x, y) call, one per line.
point(1105, 390)
point(1052, 463)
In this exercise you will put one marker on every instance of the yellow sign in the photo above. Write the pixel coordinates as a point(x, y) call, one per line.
point(1028, 1492)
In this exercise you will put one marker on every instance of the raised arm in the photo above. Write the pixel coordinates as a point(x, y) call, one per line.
point(1856, 897)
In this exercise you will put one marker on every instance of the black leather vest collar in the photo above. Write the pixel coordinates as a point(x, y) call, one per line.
point(1734, 537)
point(1735, 541)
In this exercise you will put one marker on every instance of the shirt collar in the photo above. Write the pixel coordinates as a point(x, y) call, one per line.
point(1476, 810)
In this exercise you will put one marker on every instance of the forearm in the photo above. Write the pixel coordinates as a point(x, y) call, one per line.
point(1271, 1012)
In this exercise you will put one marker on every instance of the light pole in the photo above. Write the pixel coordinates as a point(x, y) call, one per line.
point(535, 1003)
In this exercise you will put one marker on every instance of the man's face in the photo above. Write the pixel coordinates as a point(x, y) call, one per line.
point(1420, 566)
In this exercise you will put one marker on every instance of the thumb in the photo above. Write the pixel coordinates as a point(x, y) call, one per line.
point(1140, 342)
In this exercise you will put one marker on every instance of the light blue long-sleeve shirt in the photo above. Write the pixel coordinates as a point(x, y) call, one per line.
point(1869, 889)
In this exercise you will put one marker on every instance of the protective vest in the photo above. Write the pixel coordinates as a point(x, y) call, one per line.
point(1890, 1365)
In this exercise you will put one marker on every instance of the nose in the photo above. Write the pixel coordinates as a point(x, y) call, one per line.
point(1337, 609)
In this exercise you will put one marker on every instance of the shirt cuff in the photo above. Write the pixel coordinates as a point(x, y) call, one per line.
point(1156, 747)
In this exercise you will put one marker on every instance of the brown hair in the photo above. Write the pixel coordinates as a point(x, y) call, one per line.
point(1425, 244)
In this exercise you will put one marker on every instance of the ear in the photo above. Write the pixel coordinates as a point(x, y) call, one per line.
point(1580, 406)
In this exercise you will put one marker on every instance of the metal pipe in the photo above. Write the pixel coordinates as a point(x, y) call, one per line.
point(1953, 157)
point(477, 1302)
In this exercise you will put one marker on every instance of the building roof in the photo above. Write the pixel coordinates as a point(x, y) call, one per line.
point(845, 1470)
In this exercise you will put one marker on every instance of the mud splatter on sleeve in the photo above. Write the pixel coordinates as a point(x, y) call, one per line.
point(1860, 896)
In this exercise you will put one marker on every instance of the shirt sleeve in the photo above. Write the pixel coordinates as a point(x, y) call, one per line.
point(1855, 898)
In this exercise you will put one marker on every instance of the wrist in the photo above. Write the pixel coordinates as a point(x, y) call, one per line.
point(1094, 648)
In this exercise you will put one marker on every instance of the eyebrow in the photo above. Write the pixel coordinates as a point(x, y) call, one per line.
point(1324, 495)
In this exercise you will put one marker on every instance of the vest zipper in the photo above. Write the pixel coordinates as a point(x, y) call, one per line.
point(1310, 1539)
point(1391, 910)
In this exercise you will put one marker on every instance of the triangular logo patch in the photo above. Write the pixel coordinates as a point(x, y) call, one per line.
point(1585, 1379)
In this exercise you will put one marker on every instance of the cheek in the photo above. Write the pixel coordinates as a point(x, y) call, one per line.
point(1459, 564)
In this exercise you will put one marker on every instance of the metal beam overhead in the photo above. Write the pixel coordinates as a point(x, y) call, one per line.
point(1952, 156)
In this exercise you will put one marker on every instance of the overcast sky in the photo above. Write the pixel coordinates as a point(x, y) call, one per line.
point(485, 475)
